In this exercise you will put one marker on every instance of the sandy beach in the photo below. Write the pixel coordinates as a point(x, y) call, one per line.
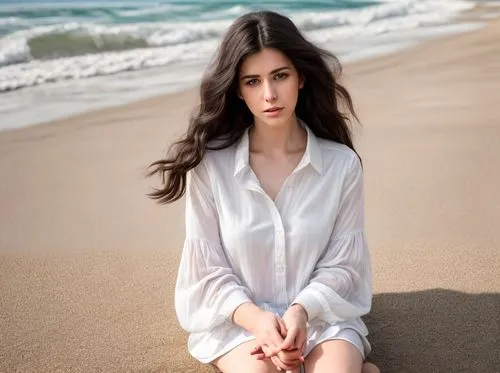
point(88, 263)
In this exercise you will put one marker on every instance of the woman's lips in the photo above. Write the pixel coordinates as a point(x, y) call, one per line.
point(273, 109)
point(272, 112)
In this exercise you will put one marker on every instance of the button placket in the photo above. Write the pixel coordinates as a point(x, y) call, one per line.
point(279, 236)
point(279, 253)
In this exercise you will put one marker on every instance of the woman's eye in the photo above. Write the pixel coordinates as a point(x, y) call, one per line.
point(252, 82)
point(280, 76)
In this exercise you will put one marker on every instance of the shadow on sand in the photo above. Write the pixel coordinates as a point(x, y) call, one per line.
point(435, 331)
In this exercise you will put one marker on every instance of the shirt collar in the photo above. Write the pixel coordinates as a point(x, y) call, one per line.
point(312, 154)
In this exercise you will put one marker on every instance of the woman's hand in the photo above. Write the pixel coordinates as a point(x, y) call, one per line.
point(290, 353)
point(284, 360)
point(295, 319)
point(269, 330)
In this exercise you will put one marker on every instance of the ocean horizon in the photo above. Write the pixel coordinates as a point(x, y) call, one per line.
point(58, 58)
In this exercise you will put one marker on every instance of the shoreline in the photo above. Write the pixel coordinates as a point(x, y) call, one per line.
point(465, 22)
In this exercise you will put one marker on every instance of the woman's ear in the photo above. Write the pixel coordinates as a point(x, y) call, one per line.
point(301, 81)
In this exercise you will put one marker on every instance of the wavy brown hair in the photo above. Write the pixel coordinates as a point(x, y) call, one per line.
point(222, 115)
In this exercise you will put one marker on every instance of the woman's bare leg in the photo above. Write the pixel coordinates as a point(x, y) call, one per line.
point(337, 356)
point(370, 368)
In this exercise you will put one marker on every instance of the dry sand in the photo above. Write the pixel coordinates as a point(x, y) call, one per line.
point(88, 264)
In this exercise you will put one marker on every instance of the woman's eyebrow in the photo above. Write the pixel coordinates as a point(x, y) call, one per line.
point(272, 72)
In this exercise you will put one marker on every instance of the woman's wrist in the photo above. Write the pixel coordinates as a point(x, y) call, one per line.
point(298, 308)
point(245, 315)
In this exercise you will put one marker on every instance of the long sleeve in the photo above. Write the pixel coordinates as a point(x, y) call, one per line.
point(207, 291)
point(340, 286)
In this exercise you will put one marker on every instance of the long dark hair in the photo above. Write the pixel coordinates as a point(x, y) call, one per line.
point(222, 115)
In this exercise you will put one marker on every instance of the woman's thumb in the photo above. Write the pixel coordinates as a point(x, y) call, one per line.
point(289, 341)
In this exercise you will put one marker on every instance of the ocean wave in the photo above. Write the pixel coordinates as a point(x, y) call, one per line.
point(46, 12)
point(431, 10)
point(232, 12)
point(15, 21)
point(153, 10)
point(77, 38)
point(114, 13)
point(77, 50)
point(390, 17)
point(38, 72)
point(74, 39)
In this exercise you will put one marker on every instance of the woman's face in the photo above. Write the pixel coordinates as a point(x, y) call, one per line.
point(269, 84)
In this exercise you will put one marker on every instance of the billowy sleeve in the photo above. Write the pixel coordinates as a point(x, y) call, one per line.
point(207, 291)
point(340, 286)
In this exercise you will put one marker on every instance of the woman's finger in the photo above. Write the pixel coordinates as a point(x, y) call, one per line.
point(289, 342)
point(302, 350)
point(302, 341)
point(275, 360)
point(282, 327)
point(291, 364)
point(256, 350)
point(289, 356)
point(284, 365)
point(261, 356)
point(268, 351)
point(275, 341)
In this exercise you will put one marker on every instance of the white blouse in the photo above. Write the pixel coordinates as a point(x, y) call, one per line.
point(308, 246)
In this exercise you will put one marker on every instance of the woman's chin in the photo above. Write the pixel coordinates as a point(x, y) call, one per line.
point(281, 120)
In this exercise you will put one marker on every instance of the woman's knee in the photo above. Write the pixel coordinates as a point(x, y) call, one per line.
point(370, 368)
point(334, 356)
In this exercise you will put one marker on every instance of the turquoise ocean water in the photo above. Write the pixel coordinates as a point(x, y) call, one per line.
point(63, 57)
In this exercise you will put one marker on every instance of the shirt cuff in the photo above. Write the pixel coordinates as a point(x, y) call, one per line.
point(307, 299)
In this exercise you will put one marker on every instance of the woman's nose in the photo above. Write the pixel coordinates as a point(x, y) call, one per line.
point(269, 92)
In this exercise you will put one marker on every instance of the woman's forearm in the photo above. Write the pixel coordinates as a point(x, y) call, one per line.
point(245, 315)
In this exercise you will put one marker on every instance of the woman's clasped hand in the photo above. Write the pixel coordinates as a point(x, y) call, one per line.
point(282, 340)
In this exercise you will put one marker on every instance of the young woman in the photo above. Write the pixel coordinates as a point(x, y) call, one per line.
point(275, 272)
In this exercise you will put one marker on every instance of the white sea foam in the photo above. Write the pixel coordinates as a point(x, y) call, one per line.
point(38, 104)
point(399, 12)
point(38, 72)
point(12, 21)
point(234, 11)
